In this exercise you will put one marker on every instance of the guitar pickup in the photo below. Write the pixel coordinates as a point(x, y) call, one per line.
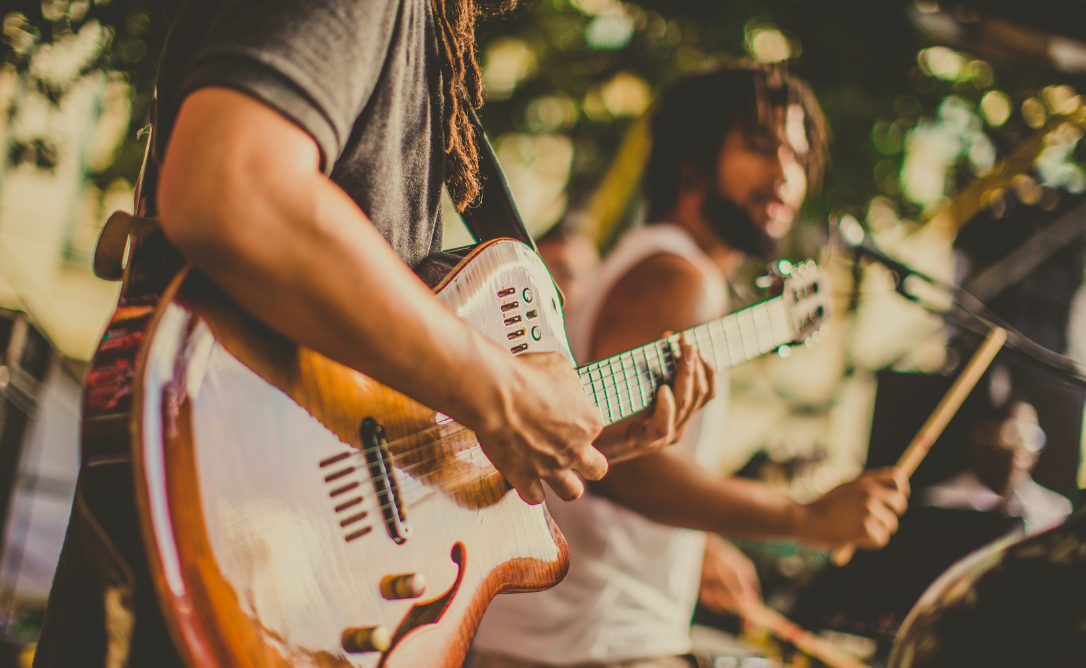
point(515, 334)
point(509, 306)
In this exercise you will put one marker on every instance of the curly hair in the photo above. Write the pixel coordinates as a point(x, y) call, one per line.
point(693, 116)
point(463, 84)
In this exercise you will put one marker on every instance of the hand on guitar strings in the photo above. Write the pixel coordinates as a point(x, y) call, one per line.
point(665, 421)
point(863, 511)
point(543, 430)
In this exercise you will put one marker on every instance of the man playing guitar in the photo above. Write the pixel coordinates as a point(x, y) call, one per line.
point(302, 147)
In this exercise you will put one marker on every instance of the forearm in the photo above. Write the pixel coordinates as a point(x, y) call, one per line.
point(295, 251)
point(670, 488)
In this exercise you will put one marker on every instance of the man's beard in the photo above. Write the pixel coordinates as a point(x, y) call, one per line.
point(736, 228)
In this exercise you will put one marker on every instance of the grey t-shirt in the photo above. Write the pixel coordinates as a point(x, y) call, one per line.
point(362, 77)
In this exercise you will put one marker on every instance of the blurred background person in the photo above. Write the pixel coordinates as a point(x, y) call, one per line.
point(724, 144)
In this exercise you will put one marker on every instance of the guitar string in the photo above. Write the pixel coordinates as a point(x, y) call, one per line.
point(458, 430)
point(664, 353)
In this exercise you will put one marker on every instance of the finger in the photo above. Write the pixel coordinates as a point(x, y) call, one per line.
point(892, 478)
point(902, 480)
point(887, 516)
point(892, 496)
point(875, 534)
point(566, 485)
point(683, 383)
point(701, 384)
point(531, 492)
point(590, 463)
point(659, 424)
point(710, 380)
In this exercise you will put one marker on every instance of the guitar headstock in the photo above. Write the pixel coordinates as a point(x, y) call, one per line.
point(807, 296)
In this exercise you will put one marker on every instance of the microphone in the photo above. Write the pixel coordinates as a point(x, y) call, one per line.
point(860, 243)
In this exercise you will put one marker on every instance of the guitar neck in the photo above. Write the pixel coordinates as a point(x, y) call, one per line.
point(626, 383)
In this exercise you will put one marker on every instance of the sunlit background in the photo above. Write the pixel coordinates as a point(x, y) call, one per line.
point(923, 98)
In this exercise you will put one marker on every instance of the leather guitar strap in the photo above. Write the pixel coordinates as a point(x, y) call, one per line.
point(494, 214)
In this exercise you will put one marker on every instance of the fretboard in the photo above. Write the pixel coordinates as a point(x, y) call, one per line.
point(626, 383)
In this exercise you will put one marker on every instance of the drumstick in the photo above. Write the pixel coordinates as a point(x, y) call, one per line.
point(761, 615)
point(938, 420)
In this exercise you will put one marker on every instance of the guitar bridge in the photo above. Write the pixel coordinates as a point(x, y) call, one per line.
point(375, 447)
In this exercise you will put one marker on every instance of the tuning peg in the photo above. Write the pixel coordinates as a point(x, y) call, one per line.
point(775, 274)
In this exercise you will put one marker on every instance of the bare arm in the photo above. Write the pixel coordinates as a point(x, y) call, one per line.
point(660, 296)
point(669, 487)
point(242, 196)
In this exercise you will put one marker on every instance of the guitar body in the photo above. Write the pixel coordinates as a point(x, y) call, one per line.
point(279, 491)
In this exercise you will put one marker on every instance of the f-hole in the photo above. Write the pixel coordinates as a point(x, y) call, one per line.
point(375, 447)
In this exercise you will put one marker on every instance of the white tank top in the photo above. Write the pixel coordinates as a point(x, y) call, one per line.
point(632, 582)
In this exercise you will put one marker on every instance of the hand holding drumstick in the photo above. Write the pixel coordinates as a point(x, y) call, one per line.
point(942, 415)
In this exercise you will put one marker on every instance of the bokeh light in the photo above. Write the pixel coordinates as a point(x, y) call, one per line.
point(768, 45)
point(626, 94)
point(611, 30)
point(551, 113)
point(942, 63)
point(1033, 112)
point(508, 61)
point(996, 108)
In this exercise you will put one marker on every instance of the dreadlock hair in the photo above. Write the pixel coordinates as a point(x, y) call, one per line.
point(463, 84)
point(693, 117)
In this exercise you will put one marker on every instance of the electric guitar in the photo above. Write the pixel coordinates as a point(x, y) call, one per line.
point(297, 513)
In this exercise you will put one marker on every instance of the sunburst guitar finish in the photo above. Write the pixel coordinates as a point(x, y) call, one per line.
point(298, 513)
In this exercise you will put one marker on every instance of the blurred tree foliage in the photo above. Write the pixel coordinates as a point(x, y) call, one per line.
point(861, 58)
point(135, 32)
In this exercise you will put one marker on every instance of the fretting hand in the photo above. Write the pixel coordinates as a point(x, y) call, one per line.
point(663, 423)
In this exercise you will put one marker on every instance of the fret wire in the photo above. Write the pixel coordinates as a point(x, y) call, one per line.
point(765, 329)
point(757, 334)
point(648, 370)
point(640, 385)
point(626, 382)
point(694, 336)
point(707, 343)
point(712, 345)
point(752, 310)
point(747, 335)
point(722, 345)
point(660, 361)
point(782, 327)
point(651, 387)
point(632, 376)
point(612, 403)
point(640, 402)
point(616, 390)
point(668, 358)
point(734, 340)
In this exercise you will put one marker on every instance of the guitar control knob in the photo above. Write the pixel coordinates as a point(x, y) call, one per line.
point(367, 639)
point(408, 585)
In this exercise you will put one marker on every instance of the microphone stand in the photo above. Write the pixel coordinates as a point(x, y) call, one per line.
point(964, 317)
